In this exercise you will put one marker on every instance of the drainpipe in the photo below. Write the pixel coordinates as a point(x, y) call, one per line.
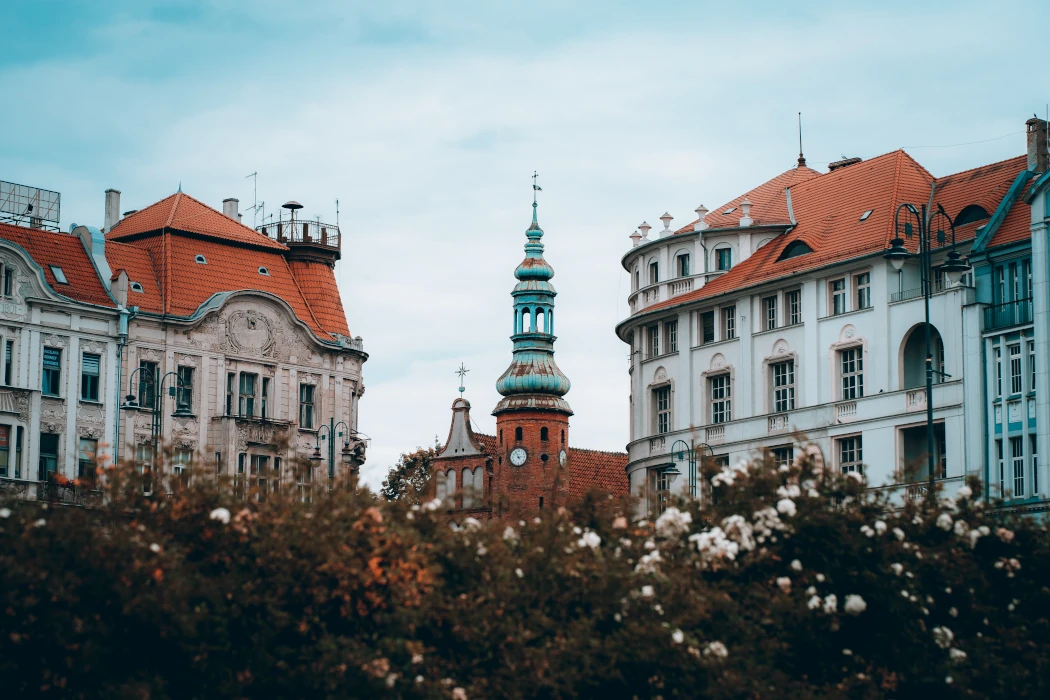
point(122, 340)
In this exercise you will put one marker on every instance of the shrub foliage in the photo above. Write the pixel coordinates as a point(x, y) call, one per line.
point(786, 585)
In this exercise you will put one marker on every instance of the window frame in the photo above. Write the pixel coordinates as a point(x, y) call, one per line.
point(862, 290)
point(682, 264)
point(662, 409)
point(849, 453)
point(671, 331)
point(793, 306)
point(89, 381)
point(184, 396)
point(654, 273)
point(782, 382)
point(851, 381)
point(9, 361)
point(307, 406)
point(51, 376)
point(653, 340)
point(149, 385)
point(246, 394)
point(729, 322)
point(720, 397)
point(837, 296)
point(1017, 464)
point(1016, 375)
point(769, 313)
point(723, 259)
point(704, 327)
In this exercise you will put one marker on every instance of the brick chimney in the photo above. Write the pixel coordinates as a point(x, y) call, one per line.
point(112, 209)
point(1038, 160)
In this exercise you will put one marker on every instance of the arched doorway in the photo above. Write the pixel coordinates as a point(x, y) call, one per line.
point(913, 357)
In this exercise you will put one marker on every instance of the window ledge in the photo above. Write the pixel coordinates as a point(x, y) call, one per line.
point(853, 312)
point(312, 431)
point(659, 357)
point(53, 396)
point(716, 342)
point(90, 402)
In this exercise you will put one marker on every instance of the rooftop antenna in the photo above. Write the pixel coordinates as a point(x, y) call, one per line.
point(801, 158)
point(462, 372)
point(337, 213)
point(255, 196)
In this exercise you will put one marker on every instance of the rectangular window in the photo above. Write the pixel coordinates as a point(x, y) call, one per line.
point(9, 353)
point(724, 258)
point(184, 388)
point(683, 265)
point(942, 451)
point(707, 327)
point(231, 384)
point(306, 406)
point(851, 455)
point(246, 396)
point(9, 281)
point(260, 466)
point(180, 465)
point(1026, 279)
point(654, 273)
point(266, 397)
point(238, 478)
point(1031, 365)
point(851, 367)
point(661, 485)
point(793, 299)
point(1015, 368)
point(862, 283)
point(5, 450)
point(147, 383)
point(662, 399)
point(51, 381)
point(19, 438)
point(769, 312)
point(783, 456)
point(784, 386)
point(144, 465)
point(721, 399)
point(654, 340)
point(838, 297)
point(1033, 450)
point(1000, 287)
point(89, 371)
point(305, 483)
point(998, 372)
point(728, 323)
point(1002, 470)
point(48, 455)
point(87, 459)
point(1017, 462)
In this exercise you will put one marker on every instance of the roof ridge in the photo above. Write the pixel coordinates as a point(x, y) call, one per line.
point(174, 207)
point(896, 188)
point(306, 301)
point(981, 167)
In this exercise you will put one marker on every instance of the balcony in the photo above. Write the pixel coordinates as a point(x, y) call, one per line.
point(1012, 313)
point(69, 494)
point(668, 289)
point(303, 232)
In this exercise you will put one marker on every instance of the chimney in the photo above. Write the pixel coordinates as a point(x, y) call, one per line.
point(845, 162)
point(745, 210)
point(112, 209)
point(230, 207)
point(1038, 160)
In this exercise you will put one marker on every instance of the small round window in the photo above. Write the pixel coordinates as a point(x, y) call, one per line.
point(264, 271)
point(200, 260)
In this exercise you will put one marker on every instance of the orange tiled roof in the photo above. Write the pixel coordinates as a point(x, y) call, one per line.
point(828, 210)
point(65, 251)
point(768, 202)
point(184, 213)
point(170, 234)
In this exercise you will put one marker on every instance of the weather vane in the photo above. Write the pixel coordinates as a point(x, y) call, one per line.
point(535, 188)
point(462, 372)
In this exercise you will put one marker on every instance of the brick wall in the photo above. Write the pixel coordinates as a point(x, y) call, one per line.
point(519, 489)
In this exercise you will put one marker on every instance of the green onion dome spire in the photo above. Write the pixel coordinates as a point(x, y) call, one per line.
point(533, 380)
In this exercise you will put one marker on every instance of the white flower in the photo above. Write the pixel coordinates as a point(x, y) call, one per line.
point(789, 491)
point(154, 548)
point(943, 637)
point(391, 679)
point(472, 524)
point(647, 591)
point(417, 658)
point(647, 563)
point(960, 528)
point(40, 523)
point(813, 603)
point(964, 492)
point(482, 550)
point(714, 545)
point(619, 523)
point(856, 476)
point(1005, 535)
point(812, 590)
point(984, 530)
point(649, 544)
point(831, 603)
point(854, 604)
point(784, 584)
point(519, 573)
point(678, 636)
point(673, 522)
point(953, 611)
point(944, 521)
point(590, 539)
point(898, 533)
point(820, 578)
point(956, 655)
point(796, 565)
point(787, 507)
point(738, 529)
point(459, 694)
point(419, 679)
point(5, 512)
point(432, 504)
point(847, 652)
point(618, 617)
point(880, 526)
point(716, 649)
point(510, 534)
point(868, 532)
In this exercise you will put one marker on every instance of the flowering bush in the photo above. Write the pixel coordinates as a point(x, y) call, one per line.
point(786, 584)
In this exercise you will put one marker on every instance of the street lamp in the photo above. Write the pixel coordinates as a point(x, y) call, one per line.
point(953, 269)
point(156, 401)
point(348, 455)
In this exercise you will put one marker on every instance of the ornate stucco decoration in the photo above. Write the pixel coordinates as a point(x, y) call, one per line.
point(149, 354)
point(15, 401)
point(53, 340)
point(87, 413)
point(89, 432)
point(185, 426)
point(250, 333)
point(93, 346)
point(255, 433)
point(183, 360)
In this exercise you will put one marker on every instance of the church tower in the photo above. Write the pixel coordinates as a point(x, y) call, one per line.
point(532, 419)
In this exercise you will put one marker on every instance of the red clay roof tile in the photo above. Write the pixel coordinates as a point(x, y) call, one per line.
point(64, 251)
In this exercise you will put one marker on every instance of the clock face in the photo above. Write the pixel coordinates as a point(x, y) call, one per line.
point(562, 458)
point(517, 456)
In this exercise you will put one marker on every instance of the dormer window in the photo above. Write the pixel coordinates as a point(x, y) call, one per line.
point(200, 260)
point(60, 276)
point(865, 215)
point(730, 210)
point(794, 249)
point(264, 271)
point(136, 287)
point(969, 214)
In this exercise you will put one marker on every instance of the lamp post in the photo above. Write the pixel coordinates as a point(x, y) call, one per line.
point(681, 451)
point(349, 455)
point(156, 401)
point(953, 269)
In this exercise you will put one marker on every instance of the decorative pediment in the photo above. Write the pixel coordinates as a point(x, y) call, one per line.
point(250, 332)
point(780, 347)
point(15, 401)
point(718, 361)
point(53, 340)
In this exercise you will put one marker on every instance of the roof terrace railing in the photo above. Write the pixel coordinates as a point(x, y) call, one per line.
point(1012, 313)
point(303, 232)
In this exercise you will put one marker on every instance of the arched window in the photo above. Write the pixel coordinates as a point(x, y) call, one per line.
point(441, 491)
point(450, 485)
point(517, 433)
point(794, 249)
point(501, 436)
point(541, 321)
point(969, 214)
point(563, 437)
point(543, 434)
point(472, 487)
point(526, 318)
point(654, 272)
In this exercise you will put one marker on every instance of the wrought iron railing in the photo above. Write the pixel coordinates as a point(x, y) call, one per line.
point(304, 231)
point(1012, 313)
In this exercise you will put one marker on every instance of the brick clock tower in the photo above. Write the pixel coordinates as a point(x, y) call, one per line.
point(532, 419)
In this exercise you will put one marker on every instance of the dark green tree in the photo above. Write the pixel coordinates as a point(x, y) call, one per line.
point(407, 480)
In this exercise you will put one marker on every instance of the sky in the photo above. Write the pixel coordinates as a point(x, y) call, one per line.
point(426, 121)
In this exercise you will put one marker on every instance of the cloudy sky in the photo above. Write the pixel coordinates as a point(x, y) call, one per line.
point(426, 120)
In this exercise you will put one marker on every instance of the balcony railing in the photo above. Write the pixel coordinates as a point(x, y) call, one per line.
point(305, 231)
point(1012, 313)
